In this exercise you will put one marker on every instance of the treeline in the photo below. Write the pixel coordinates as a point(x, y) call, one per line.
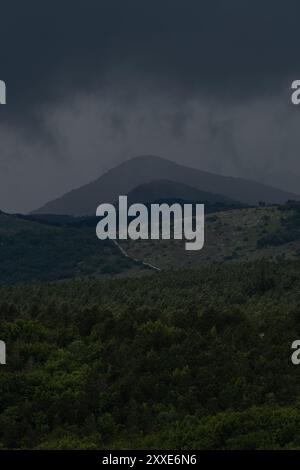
point(191, 359)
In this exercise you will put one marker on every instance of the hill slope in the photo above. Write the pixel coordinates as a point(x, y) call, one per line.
point(170, 190)
point(245, 234)
point(137, 171)
point(31, 251)
point(54, 248)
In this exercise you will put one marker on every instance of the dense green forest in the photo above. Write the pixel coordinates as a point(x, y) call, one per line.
point(195, 359)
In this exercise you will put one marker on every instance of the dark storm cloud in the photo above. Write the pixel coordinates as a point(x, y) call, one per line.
point(228, 48)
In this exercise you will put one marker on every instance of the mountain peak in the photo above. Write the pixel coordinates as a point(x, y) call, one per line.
point(147, 160)
point(144, 169)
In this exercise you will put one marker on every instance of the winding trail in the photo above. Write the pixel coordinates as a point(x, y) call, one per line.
point(124, 253)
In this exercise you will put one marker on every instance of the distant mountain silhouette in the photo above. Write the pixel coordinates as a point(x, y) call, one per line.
point(171, 190)
point(122, 179)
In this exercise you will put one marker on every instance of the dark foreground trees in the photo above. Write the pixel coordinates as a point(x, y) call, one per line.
point(184, 360)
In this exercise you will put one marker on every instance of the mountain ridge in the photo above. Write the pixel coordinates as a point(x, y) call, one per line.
point(123, 178)
point(165, 189)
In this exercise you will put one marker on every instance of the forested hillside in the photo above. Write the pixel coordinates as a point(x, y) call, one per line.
point(32, 251)
point(231, 235)
point(181, 360)
point(49, 247)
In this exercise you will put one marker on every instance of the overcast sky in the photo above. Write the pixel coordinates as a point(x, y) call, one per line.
point(92, 83)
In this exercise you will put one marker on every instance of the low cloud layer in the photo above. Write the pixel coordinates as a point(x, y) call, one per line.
point(86, 134)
